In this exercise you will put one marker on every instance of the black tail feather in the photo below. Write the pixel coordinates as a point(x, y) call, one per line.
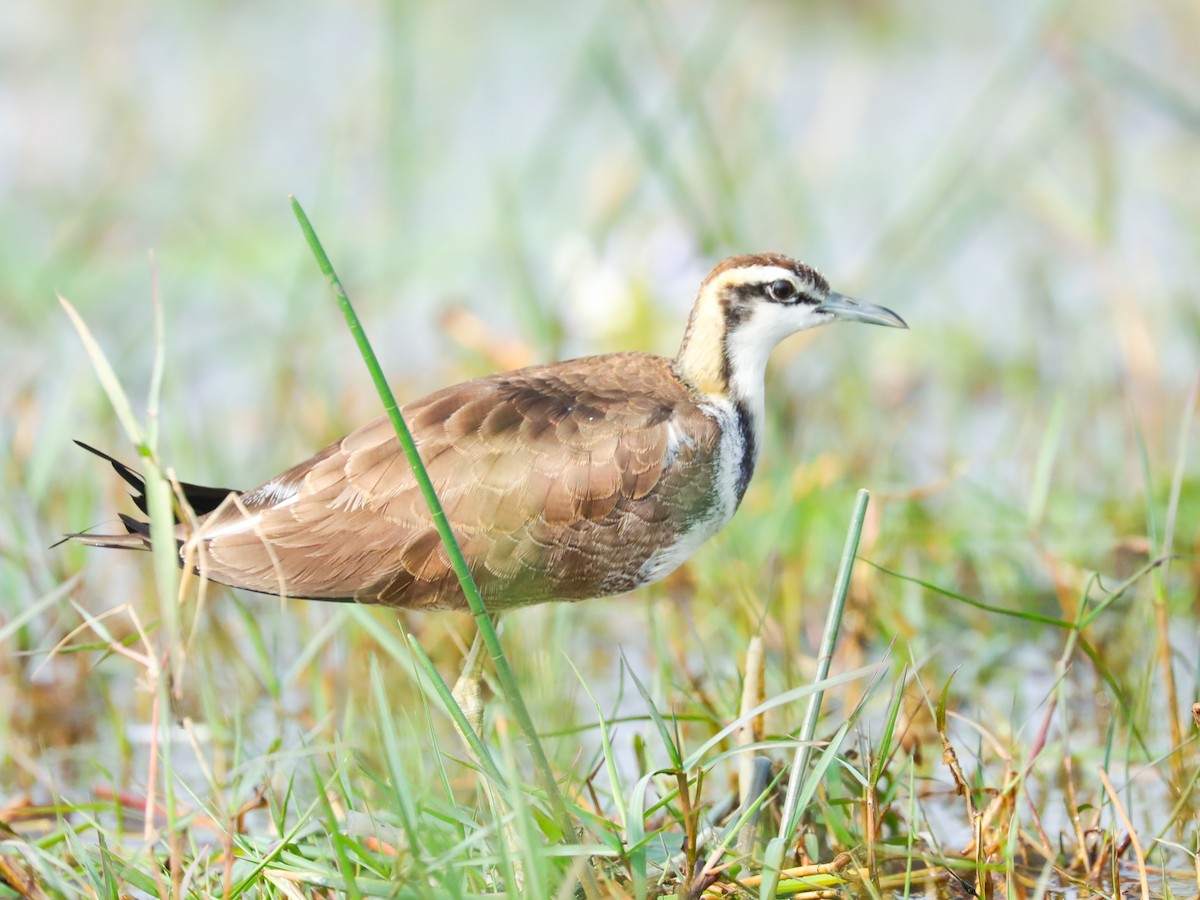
point(135, 526)
point(128, 475)
point(202, 499)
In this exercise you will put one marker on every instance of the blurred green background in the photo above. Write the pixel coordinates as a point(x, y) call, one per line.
point(506, 183)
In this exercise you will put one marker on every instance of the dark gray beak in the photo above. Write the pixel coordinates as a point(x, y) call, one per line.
point(842, 307)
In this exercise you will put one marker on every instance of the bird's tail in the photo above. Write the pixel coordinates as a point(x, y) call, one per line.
point(202, 499)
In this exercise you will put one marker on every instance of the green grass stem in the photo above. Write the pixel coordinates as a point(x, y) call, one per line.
point(833, 623)
point(504, 674)
point(165, 552)
point(799, 786)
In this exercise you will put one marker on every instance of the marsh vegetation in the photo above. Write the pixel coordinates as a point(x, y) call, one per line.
point(1010, 701)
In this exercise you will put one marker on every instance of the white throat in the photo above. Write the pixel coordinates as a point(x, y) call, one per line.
point(748, 348)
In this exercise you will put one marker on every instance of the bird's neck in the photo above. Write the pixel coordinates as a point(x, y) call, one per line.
point(726, 363)
point(702, 360)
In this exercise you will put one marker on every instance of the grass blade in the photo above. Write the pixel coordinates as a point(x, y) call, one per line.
point(504, 674)
point(833, 622)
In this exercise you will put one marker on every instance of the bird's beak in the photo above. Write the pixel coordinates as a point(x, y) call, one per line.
point(842, 307)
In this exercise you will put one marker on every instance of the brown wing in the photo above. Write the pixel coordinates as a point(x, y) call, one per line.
point(560, 482)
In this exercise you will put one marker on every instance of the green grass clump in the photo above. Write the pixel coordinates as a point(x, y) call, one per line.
point(707, 805)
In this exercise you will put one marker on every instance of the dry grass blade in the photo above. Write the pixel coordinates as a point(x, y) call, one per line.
point(1129, 830)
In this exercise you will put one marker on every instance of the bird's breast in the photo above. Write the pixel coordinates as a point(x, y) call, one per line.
point(730, 467)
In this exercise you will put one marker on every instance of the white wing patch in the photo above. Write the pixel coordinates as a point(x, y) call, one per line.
point(273, 495)
point(677, 441)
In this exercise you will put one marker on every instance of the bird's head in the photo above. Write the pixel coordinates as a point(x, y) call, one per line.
point(746, 306)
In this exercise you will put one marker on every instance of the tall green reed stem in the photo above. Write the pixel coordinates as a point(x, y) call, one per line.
point(504, 674)
point(833, 623)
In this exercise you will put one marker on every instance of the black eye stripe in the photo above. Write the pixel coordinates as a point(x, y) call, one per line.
point(780, 291)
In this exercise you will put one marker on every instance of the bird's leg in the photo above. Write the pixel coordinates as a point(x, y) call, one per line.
point(468, 689)
point(468, 694)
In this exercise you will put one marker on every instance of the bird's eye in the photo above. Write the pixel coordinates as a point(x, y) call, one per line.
point(781, 290)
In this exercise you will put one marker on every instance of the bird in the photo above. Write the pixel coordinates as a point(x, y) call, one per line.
point(567, 481)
